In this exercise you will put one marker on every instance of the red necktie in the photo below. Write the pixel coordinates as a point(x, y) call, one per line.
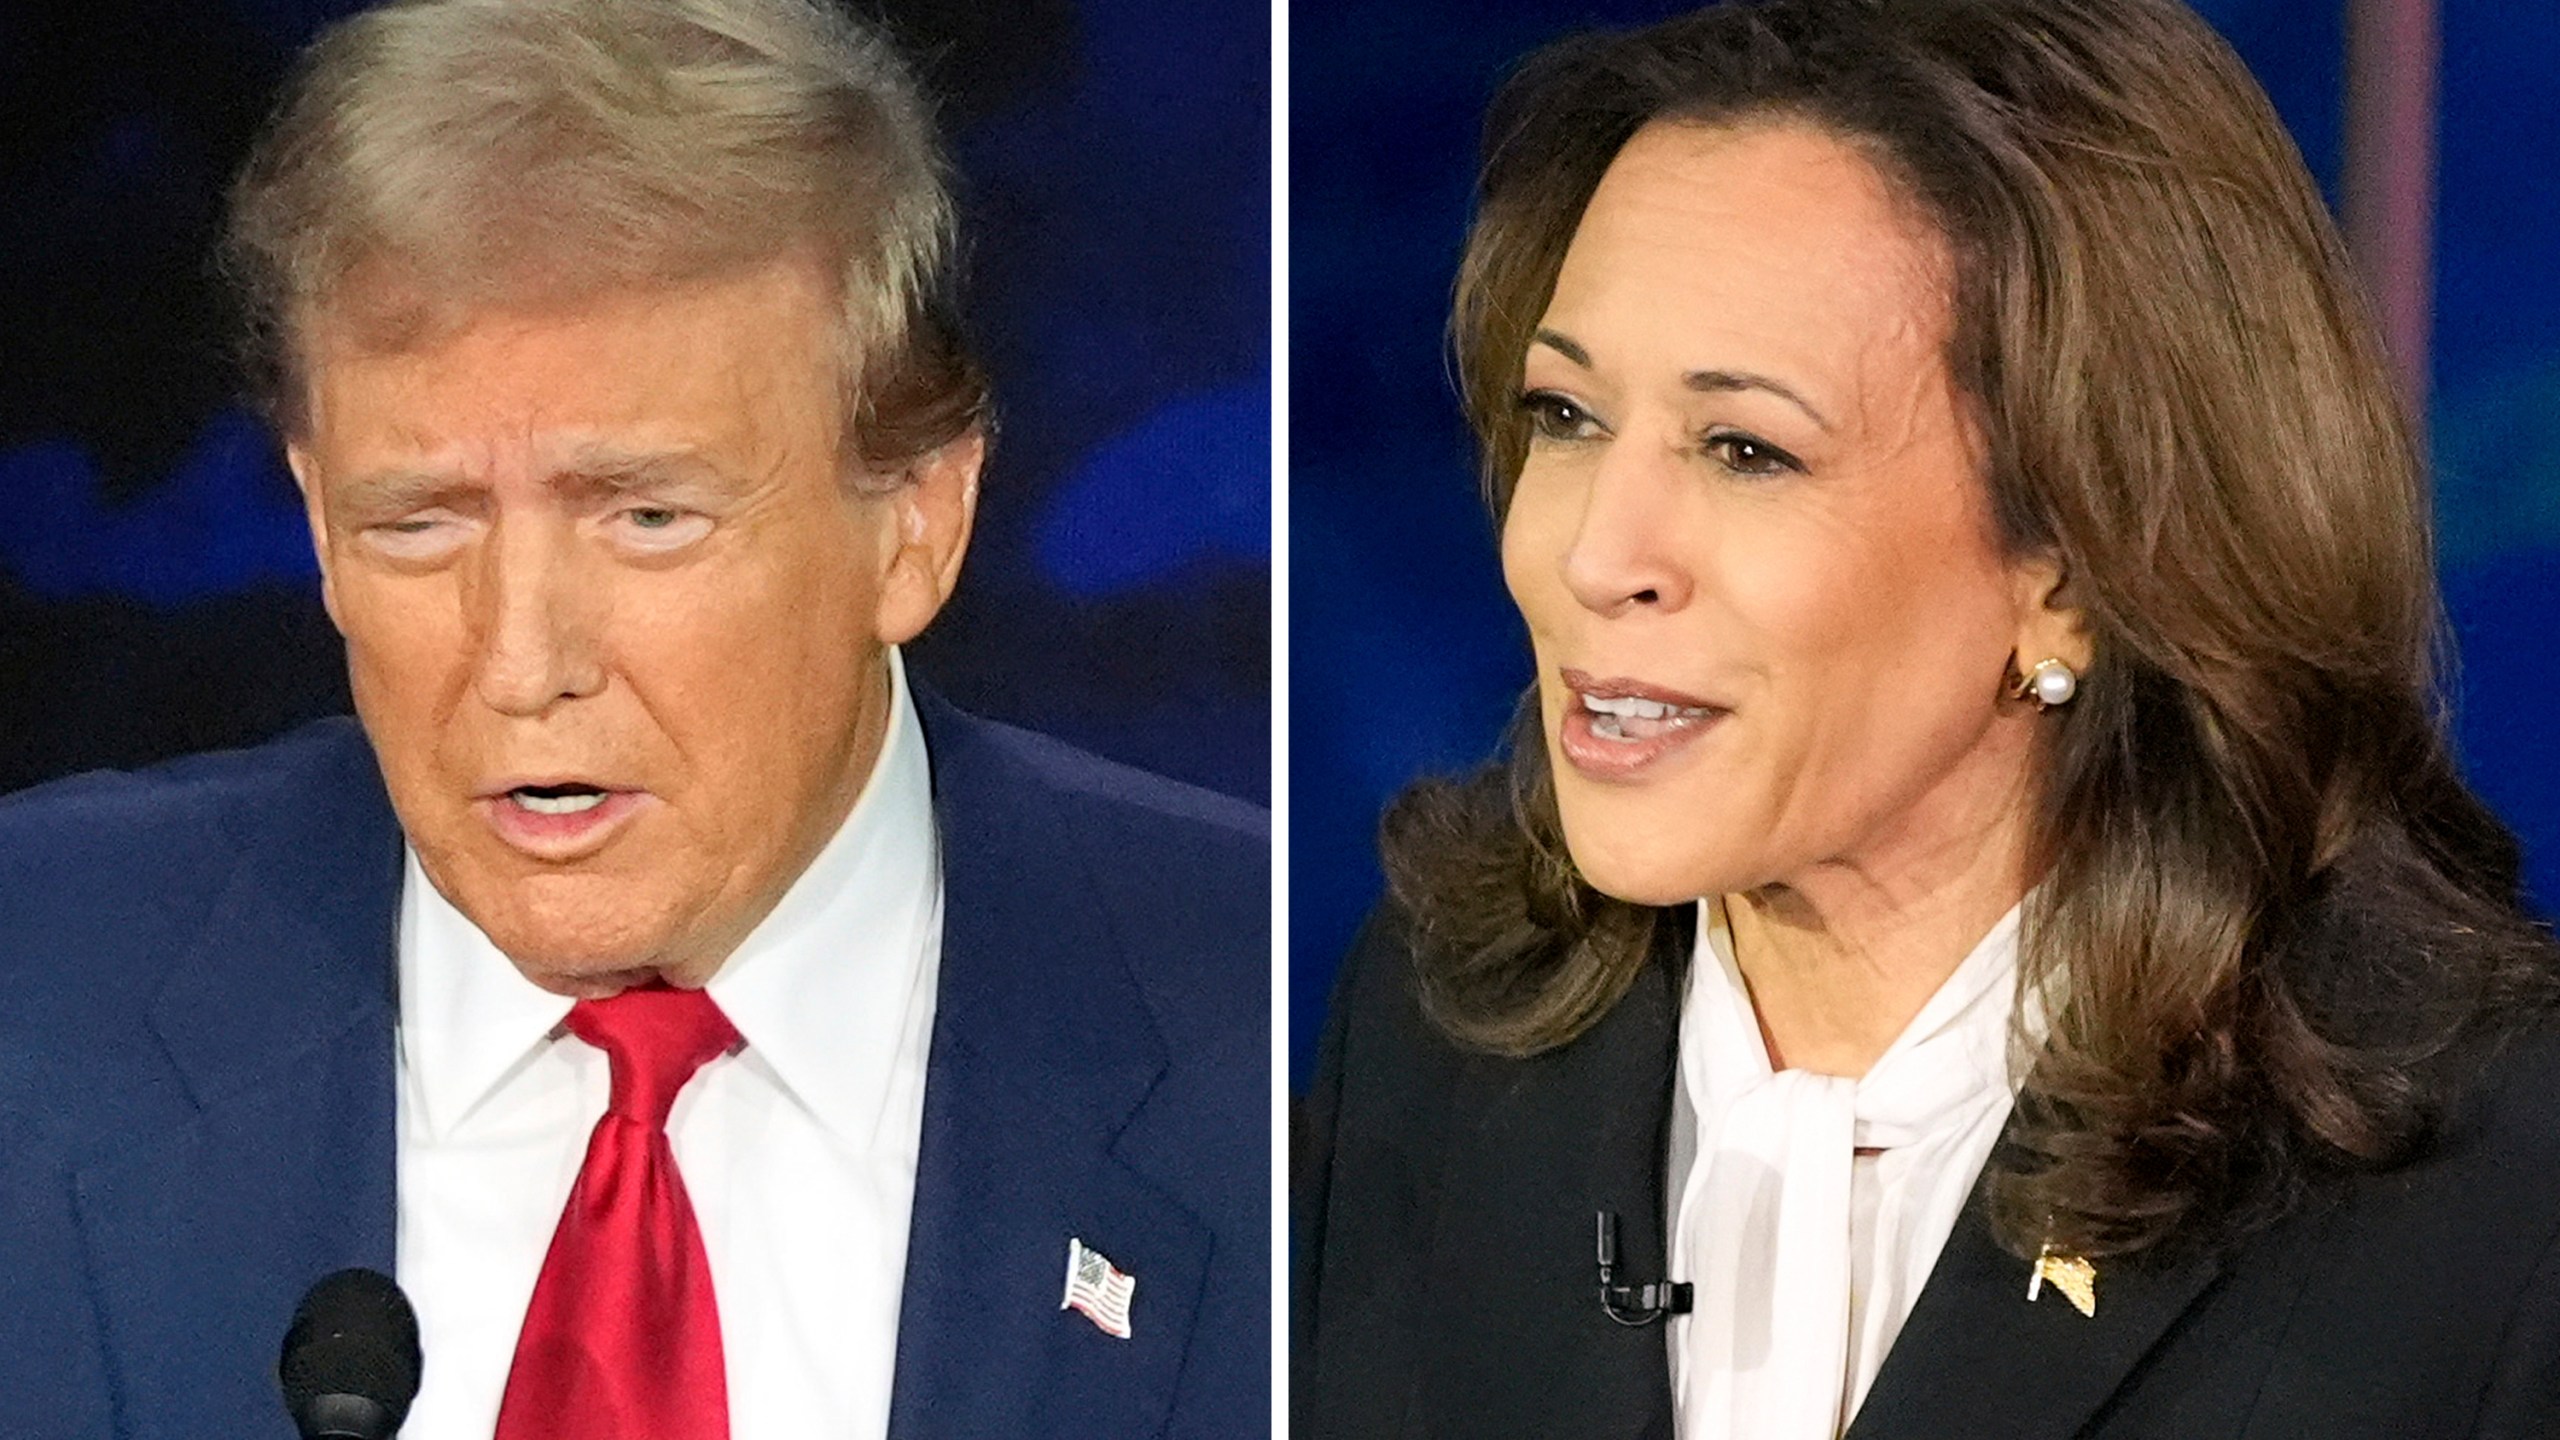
point(622, 1341)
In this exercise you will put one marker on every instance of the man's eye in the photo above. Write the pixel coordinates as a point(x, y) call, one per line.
point(658, 528)
point(1557, 417)
point(424, 536)
point(1745, 454)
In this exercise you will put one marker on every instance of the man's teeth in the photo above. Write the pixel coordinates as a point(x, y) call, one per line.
point(559, 804)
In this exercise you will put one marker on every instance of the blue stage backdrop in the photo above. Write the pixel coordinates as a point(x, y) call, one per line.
point(1407, 655)
point(157, 593)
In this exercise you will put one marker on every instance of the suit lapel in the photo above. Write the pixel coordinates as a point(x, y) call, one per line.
point(1517, 1344)
point(1043, 1055)
point(278, 1022)
point(1514, 1339)
point(1976, 1358)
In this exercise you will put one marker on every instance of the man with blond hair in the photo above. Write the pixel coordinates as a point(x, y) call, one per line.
point(715, 1034)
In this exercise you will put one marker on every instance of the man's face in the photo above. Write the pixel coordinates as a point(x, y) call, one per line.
point(614, 615)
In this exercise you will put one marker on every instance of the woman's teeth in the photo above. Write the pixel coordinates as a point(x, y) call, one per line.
point(568, 804)
point(1631, 718)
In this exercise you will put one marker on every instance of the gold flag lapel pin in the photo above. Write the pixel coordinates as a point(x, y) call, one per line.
point(2076, 1278)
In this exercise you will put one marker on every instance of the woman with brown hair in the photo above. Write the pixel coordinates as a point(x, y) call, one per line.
point(1978, 932)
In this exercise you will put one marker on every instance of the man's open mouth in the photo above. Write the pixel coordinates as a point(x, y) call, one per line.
point(558, 799)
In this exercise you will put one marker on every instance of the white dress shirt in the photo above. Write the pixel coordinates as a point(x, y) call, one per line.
point(798, 1150)
point(1807, 1256)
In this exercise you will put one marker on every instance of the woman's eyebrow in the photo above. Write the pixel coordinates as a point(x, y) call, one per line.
point(1705, 381)
point(1563, 347)
point(1721, 380)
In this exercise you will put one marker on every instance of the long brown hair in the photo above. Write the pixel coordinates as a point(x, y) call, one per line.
point(2269, 899)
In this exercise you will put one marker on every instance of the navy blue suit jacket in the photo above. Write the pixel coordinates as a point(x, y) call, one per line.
point(196, 1090)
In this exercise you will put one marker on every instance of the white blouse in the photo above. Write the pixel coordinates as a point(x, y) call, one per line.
point(1807, 1257)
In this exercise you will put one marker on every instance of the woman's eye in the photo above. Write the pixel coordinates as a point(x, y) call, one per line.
point(1749, 455)
point(1554, 417)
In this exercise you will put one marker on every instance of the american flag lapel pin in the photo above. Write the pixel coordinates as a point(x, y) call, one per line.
point(2075, 1277)
point(1096, 1287)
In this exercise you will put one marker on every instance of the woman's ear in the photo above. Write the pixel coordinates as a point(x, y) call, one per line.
point(2051, 623)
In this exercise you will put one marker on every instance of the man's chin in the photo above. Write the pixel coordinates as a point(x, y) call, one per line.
point(555, 923)
point(592, 957)
point(588, 975)
point(603, 985)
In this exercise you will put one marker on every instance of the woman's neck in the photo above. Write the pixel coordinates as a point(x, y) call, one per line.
point(1839, 961)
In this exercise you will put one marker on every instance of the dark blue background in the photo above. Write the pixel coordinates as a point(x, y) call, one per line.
point(1406, 657)
point(157, 593)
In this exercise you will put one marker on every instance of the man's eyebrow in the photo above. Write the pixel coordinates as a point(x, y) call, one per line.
point(597, 471)
point(617, 471)
point(399, 490)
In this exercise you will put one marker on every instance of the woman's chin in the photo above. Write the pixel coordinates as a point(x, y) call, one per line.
point(1647, 848)
point(1625, 868)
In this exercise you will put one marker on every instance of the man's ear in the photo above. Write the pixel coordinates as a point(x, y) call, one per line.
point(933, 510)
point(306, 479)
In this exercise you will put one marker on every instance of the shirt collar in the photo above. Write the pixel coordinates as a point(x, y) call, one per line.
point(468, 1018)
point(1977, 998)
point(820, 989)
point(823, 987)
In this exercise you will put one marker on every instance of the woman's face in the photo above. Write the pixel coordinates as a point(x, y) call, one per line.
point(1752, 541)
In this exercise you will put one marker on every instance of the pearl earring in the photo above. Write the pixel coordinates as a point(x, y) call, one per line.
point(2049, 683)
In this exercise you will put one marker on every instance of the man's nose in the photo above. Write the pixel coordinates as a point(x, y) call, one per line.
point(534, 620)
point(1625, 551)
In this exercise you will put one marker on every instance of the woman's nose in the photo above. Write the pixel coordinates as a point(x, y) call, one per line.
point(1623, 552)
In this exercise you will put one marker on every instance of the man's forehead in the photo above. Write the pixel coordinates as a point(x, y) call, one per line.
point(394, 326)
point(396, 297)
point(644, 384)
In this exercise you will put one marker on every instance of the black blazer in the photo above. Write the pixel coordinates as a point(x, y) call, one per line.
point(1446, 1283)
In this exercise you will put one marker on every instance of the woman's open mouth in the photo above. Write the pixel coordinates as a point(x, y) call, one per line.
point(1616, 729)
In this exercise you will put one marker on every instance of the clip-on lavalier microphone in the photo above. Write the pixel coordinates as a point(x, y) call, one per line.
point(1634, 1304)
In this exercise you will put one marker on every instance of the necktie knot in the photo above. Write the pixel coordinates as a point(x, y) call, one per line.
point(656, 1037)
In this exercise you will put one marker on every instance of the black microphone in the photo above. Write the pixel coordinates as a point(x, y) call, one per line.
point(350, 1364)
point(1634, 1304)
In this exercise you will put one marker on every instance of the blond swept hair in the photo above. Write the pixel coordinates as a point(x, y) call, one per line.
point(434, 158)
